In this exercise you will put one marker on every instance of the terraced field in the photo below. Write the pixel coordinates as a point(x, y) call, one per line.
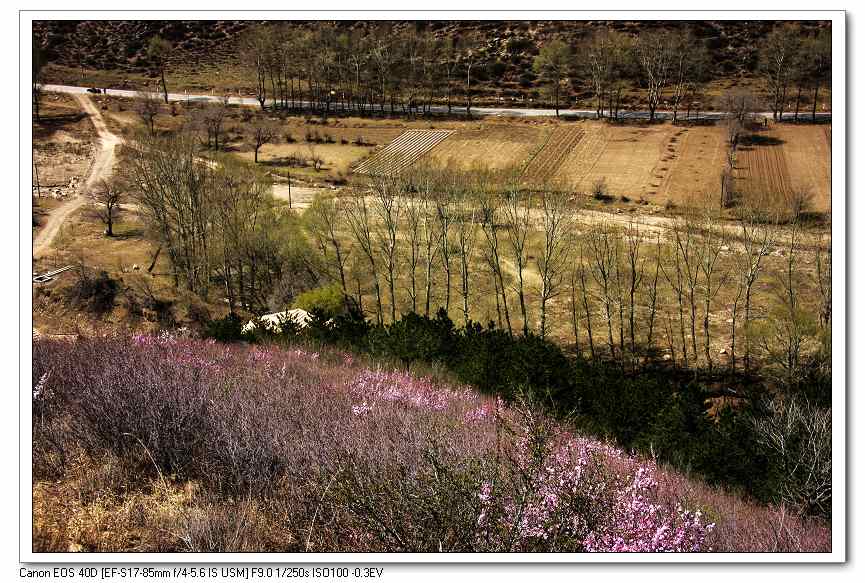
point(401, 153)
point(546, 163)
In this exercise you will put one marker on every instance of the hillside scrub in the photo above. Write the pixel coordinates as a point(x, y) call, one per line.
point(183, 445)
point(262, 448)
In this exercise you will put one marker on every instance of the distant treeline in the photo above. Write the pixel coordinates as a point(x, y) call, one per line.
point(325, 67)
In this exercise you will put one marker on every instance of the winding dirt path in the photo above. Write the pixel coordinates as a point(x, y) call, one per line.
point(101, 168)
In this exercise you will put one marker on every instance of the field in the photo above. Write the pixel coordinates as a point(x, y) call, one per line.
point(403, 152)
point(493, 145)
point(807, 152)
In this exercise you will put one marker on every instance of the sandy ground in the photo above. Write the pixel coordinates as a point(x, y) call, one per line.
point(301, 196)
point(101, 168)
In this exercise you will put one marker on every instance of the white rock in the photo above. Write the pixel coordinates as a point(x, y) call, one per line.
point(273, 322)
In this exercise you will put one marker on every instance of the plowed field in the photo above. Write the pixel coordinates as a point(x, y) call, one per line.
point(545, 165)
point(493, 146)
point(404, 151)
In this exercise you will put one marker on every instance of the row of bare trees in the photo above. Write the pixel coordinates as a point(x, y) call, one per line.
point(407, 69)
point(323, 68)
point(419, 241)
point(791, 61)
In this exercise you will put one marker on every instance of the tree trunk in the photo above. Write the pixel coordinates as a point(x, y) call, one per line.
point(164, 86)
point(814, 106)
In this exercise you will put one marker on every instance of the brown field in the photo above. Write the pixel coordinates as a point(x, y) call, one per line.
point(495, 145)
point(546, 163)
point(62, 144)
point(625, 156)
point(337, 158)
point(808, 153)
point(774, 165)
point(404, 151)
point(693, 164)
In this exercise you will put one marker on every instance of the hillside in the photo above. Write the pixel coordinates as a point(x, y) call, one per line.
point(510, 46)
point(162, 443)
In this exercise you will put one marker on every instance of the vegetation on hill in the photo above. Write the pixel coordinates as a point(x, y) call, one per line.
point(171, 444)
point(409, 65)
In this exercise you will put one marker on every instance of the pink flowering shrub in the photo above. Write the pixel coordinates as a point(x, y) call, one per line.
point(346, 458)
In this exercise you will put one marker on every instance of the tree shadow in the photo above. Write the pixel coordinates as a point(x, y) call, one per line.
point(751, 141)
point(48, 125)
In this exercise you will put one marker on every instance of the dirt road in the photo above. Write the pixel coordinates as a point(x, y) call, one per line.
point(101, 168)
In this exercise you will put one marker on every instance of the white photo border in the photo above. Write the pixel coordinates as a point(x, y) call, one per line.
point(839, 331)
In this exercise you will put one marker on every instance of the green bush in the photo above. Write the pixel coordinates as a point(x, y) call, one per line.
point(227, 329)
point(327, 299)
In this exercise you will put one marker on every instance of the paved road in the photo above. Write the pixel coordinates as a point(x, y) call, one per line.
point(101, 168)
point(459, 110)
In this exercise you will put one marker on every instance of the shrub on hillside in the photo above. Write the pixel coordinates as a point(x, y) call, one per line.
point(369, 459)
point(95, 290)
point(327, 299)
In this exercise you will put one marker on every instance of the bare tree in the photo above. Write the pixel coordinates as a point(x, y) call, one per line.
point(552, 63)
point(603, 246)
point(209, 119)
point(414, 215)
point(262, 131)
point(556, 223)
point(689, 68)
point(823, 264)
point(324, 217)
point(466, 238)
point(360, 222)
point(800, 436)
point(147, 107)
point(713, 241)
point(517, 213)
point(491, 211)
point(107, 196)
point(757, 241)
point(387, 208)
point(444, 205)
point(777, 58)
point(581, 272)
point(655, 52)
point(256, 52)
point(785, 334)
point(471, 49)
point(653, 294)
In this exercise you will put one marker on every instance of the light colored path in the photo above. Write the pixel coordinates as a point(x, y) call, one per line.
point(101, 168)
point(301, 196)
